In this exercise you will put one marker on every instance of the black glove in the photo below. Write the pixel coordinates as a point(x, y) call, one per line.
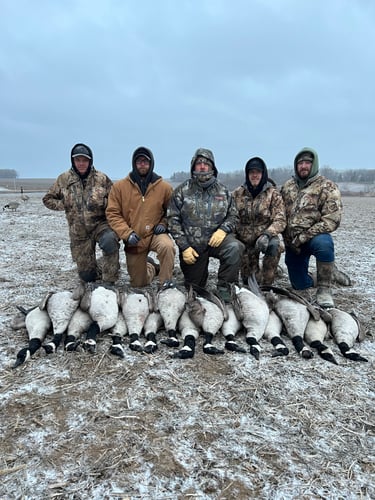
point(261, 243)
point(133, 240)
point(160, 229)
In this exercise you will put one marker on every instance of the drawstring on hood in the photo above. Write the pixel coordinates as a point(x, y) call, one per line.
point(259, 164)
point(306, 152)
point(81, 149)
point(143, 182)
point(204, 179)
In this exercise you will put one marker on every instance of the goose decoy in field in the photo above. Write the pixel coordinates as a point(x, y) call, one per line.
point(12, 205)
point(24, 196)
point(38, 324)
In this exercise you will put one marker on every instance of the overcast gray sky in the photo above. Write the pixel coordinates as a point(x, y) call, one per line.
point(241, 77)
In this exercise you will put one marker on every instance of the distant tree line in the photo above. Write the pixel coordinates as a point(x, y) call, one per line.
point(8, 173)
point(282, 174)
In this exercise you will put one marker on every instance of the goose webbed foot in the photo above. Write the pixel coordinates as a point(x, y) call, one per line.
point(231, 345)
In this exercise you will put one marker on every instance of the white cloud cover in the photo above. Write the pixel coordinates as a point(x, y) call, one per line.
point(242, 78)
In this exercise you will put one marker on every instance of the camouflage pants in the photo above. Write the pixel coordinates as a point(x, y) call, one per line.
point(264, 274)
point(83, 249)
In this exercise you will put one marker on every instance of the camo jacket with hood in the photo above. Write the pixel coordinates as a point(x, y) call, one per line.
point(261, 212)
point(197, 210)
point(137, 204)
point(313, 205)
point(83, 198)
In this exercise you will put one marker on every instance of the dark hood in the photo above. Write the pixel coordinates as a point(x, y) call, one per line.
point(260, 164)
point(151, 176)
point(84, 150)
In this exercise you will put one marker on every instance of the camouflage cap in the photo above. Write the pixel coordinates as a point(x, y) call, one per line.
point(305, 157)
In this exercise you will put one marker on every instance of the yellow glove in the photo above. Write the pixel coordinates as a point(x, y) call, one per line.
point(190, 255)
point(217, 238)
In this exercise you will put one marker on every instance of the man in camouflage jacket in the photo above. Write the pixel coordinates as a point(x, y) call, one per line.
point(262, 219)
point(313, 208)
point(82, 192)
point(202, 218)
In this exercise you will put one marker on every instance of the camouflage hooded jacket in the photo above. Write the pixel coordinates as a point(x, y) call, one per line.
point(195, 213)
point(264, 213)
point(313, 206)
point(84, 202)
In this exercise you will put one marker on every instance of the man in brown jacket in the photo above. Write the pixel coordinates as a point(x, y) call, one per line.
point(136, 211)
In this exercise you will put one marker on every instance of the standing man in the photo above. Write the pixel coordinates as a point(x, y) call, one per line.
point(136, 211)
point(313, 209)
point(202, 218)
point(262, 219)
point(82, 192)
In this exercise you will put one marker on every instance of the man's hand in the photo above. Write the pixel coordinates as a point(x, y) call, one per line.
point(261, 243)
point(160, 229)
point(296, 243)
point(217, 238)
point(133, 240)
point(190, 255)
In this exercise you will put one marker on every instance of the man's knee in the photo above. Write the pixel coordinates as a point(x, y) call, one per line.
point(88, 276)
point(108, 242)
point(273, 248)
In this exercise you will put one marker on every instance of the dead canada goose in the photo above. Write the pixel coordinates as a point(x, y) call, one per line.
point(231, 326)
point(170, 302)
point(315, 333)
point(38, 324)
point(136, 306)
point(346, 330)
point(60, 307)
point(252, 310)
point(207, 313)
point(102, 304)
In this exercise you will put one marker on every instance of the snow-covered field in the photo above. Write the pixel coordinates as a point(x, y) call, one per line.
point(81, 426)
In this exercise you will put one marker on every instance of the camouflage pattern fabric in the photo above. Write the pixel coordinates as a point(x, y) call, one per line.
point(313, 209)
point(84, 203)
point(195, 213)
point(264, 213)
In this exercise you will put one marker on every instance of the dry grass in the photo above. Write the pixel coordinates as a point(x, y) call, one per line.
point(77, 426)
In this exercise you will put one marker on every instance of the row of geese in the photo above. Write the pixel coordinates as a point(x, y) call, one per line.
point(77, 317)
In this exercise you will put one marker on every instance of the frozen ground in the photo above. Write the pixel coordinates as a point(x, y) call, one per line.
point(78, 426)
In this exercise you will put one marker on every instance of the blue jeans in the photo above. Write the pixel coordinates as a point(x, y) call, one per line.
point(321, 246)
